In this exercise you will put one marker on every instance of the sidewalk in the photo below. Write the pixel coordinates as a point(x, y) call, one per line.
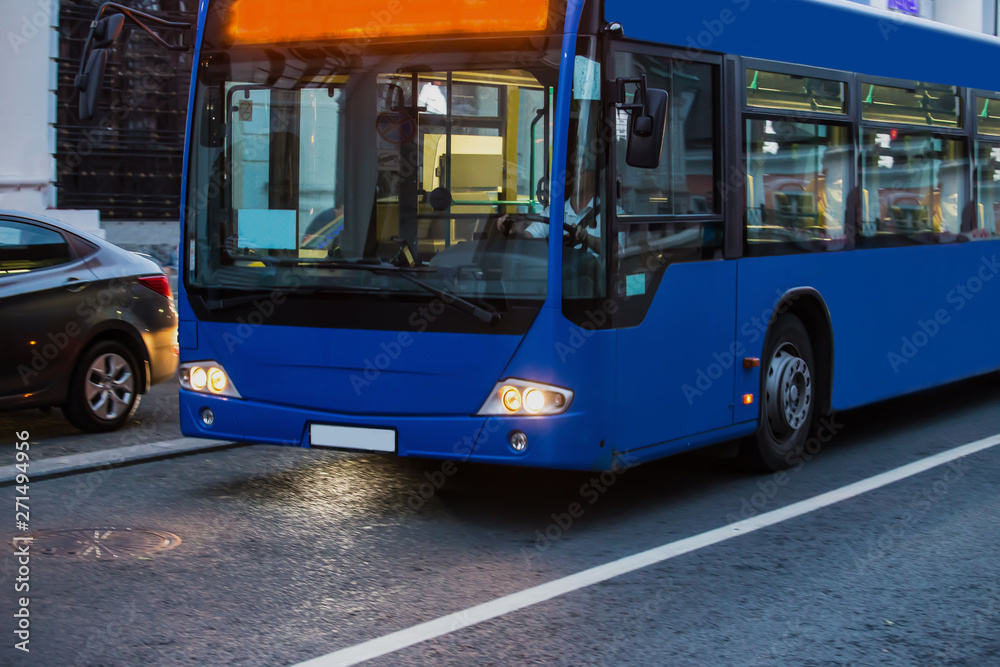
point(156, 419)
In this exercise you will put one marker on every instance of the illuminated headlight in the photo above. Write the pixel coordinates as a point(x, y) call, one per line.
point(217, 380)
point(206, 377)
point(511, 398)
point(534, 401)
point(523, 398)
point(199, 378)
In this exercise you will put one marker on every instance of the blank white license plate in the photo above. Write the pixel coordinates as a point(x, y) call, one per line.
point(353, 437)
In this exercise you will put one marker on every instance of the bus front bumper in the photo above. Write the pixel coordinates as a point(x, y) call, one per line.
point(564, 441)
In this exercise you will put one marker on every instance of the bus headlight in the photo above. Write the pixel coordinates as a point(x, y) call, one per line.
point(511, 398)
point(534, 401)
point(217, 380)
point(523, 398)
point(206, 377)
point(199, 378)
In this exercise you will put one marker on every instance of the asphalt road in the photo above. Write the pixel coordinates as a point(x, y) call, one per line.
point(289, 554)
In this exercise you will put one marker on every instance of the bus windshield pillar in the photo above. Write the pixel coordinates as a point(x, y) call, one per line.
point(360, 154)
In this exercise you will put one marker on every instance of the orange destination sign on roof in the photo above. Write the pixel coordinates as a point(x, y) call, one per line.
point(267, 21)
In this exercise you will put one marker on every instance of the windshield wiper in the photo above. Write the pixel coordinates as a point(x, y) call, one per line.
point(453, 300)
point(457, 302)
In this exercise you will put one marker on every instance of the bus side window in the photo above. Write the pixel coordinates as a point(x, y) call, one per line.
point(683, 184)
point(987, 191)
point(913, 179)
point(669, 214)
point(912, 187)
point(798, 176)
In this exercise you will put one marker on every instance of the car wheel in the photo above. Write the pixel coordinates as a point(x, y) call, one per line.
point(103, 392)
point(787, 398)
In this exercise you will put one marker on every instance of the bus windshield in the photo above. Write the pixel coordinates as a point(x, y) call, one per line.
point(302, 166)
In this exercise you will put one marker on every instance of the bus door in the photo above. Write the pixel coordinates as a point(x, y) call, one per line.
point(676, 356)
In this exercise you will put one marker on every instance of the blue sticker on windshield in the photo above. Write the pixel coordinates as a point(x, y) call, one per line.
point(635, 284)
point(586, 79)
point(267, 229)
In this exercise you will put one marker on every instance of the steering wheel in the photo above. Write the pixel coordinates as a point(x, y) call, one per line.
point(542, 191)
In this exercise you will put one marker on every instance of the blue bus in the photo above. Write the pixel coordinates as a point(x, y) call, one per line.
point(579, 234)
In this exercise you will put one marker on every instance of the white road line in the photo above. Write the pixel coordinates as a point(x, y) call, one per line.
point(58, 465)
point(447, 624)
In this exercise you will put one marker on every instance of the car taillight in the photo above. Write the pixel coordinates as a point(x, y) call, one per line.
point(158, 284)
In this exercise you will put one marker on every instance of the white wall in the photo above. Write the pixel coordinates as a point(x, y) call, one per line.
point(26, 76)
point(28, 44)
point(968, 14)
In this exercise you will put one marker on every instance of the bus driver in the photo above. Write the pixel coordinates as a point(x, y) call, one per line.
point(582, 209)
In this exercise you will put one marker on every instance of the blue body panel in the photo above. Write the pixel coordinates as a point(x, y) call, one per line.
point(556, 351)
point(673, 376)
point(820, 33)
point(357, 371)
point(900, 320)
point(482, 439)
point(580, 439)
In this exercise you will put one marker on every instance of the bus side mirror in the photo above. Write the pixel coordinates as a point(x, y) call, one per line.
point(89, 82)
point(107, 30)
point(647, 129)
point(91, 77)
point(103, 34)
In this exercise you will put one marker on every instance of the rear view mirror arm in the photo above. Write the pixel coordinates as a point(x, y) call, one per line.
point(638, 101)
point(137, 17)
point(102, 35)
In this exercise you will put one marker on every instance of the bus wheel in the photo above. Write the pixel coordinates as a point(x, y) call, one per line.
point(787, 398)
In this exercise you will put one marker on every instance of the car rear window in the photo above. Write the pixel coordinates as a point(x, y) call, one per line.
point(27, 247)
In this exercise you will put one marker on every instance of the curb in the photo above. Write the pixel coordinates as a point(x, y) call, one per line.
point(112, 458)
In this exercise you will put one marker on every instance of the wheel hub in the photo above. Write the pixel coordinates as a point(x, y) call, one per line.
point(788, 392)
point(110, 386)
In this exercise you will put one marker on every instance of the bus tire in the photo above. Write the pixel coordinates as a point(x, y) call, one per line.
point(787, 398)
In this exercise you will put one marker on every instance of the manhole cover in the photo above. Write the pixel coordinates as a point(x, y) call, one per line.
point(103, 543)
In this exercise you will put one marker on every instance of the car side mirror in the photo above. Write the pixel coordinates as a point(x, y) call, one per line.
point(647, 122)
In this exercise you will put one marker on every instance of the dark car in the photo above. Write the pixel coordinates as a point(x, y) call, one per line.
point(84, 324)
